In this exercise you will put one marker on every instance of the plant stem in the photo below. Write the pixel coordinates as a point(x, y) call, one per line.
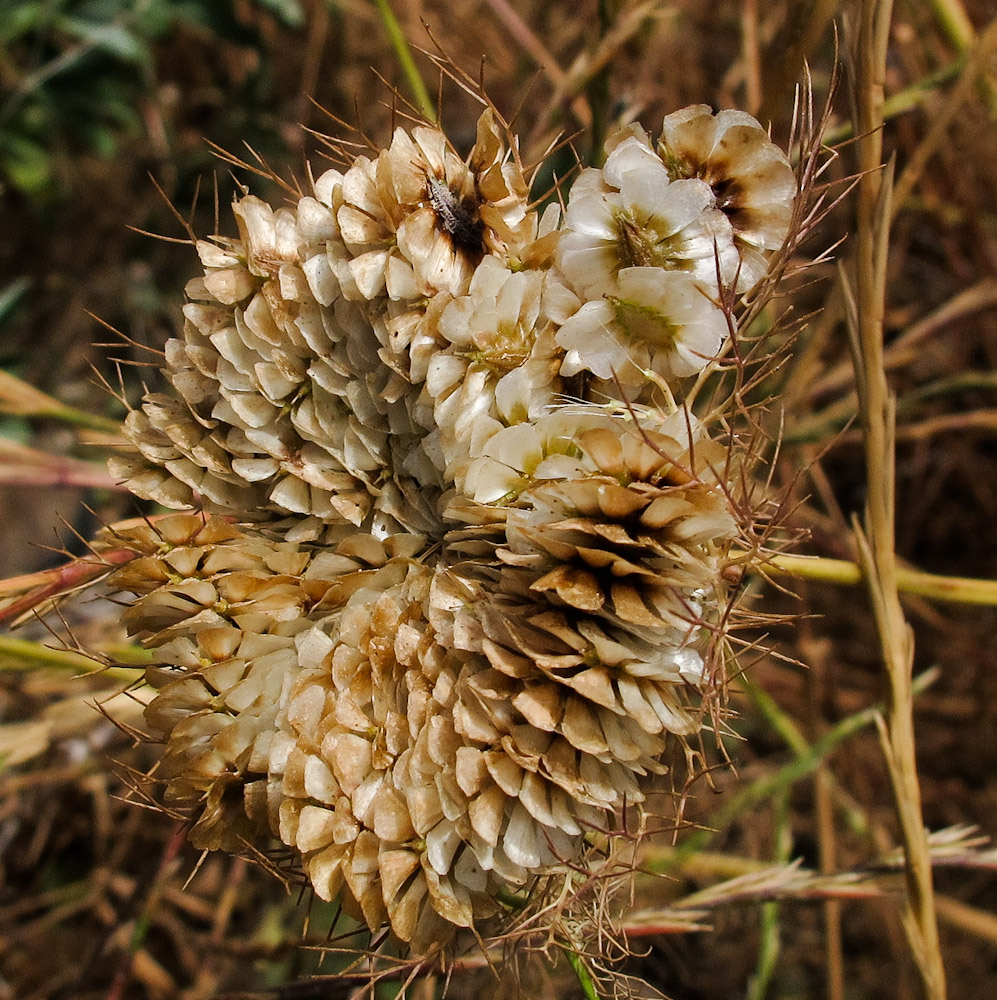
point(80, 418)
point(876, 540)
point(942, 117)
point(21, 465)
point(805, 762)
point(404, 56)
point(19, 398)
point(582, 974)
point(955, 22)
point(769, 945)
point(599, 95)
point(794, 738)
point(903, 100)
point(24, 655)
point(843, 573)
point(959, 30)
point(575, 960)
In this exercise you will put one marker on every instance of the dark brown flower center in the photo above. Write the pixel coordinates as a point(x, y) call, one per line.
point(727, 193)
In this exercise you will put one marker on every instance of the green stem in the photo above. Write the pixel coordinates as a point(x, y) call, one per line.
point(955, 23)
point(403, 53)
point(20, 399)
point(599, 93)
point(516, 902)
point(24, 655)
point(958, 28)
point(791, 734)
point(903, 100)
point(785, 727)
point(841, 572)
point(769, 943)
point(80, 418)
point(582, 974)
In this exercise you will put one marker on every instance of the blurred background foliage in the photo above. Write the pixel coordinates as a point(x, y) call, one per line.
point(79, 75)
point(97, 95)
point(106, 109)
point(109, 112)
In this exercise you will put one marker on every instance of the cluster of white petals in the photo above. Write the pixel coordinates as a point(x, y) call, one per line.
point(631, 214)
point(466, 577)
point(659, 321)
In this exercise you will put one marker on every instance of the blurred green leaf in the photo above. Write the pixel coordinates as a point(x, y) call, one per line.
point(77, 73)
point(114, 39)
point(23, 16)
point(289, 12)
point(103, 141)
point(25, 163)
point(11, 296)
point(15, 429)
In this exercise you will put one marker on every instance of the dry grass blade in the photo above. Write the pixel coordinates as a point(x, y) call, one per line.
point(23, 465)
point(20, 399)
point(976, 70)
point(71, 716)
point(962, 845)
point(876, 542)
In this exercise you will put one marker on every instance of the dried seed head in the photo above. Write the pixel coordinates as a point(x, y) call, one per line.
point(462, 615)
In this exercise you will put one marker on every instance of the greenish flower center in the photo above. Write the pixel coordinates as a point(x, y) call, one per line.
point(641, 244)
point(642, 322)
point(504, 349)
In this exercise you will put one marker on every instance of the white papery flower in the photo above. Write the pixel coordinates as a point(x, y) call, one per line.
point(418, 219)
point(517, 457)
point(501, 366)
point(664, 321)
point(631, 214)
point(561, 444)
point(751, 178)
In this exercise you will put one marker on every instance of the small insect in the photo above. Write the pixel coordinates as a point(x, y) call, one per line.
point(453, 218)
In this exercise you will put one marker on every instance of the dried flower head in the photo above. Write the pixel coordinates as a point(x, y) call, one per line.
point(467, 586)
point(663, 322)
point(418, 219)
